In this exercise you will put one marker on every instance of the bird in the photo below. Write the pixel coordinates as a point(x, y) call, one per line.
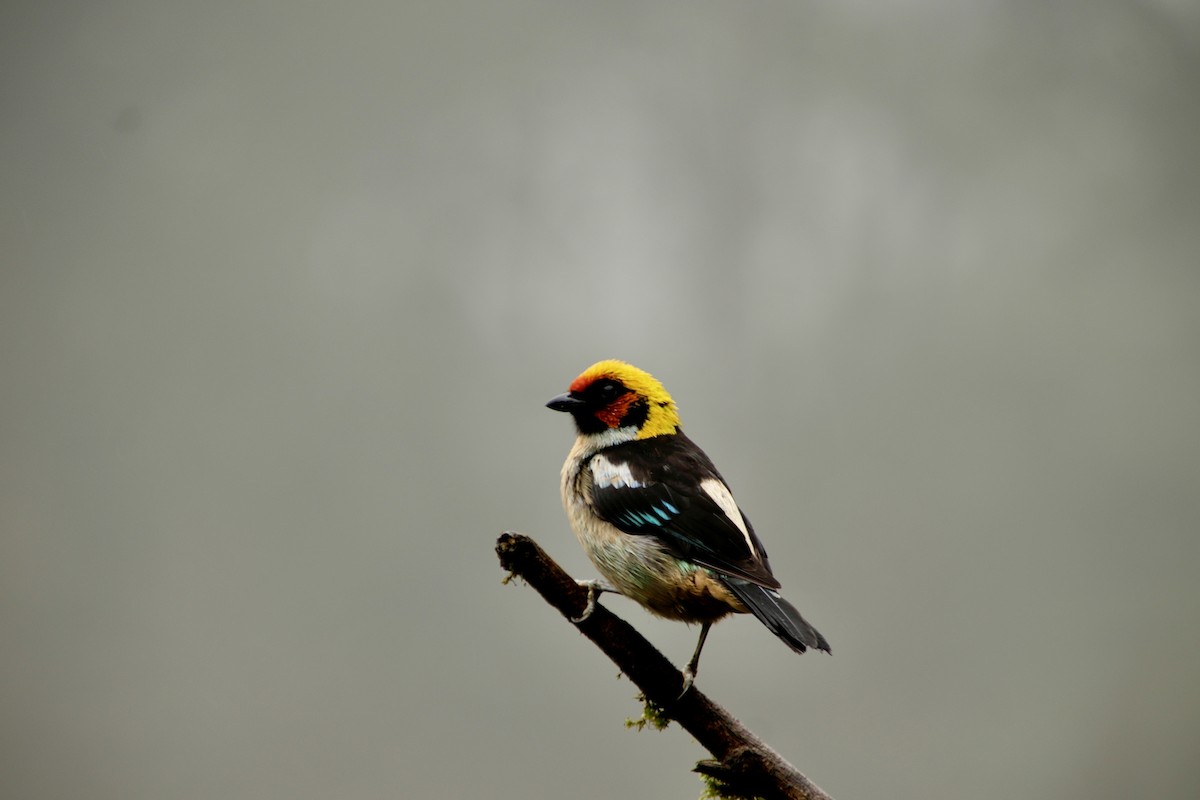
point(655, 516)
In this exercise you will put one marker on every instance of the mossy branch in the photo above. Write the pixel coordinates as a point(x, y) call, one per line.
point(743, 765)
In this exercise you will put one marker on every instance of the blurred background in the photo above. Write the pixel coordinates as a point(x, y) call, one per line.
point(285, 286)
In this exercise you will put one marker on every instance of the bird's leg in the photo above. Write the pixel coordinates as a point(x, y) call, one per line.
point(689, 672)
point(594, 588)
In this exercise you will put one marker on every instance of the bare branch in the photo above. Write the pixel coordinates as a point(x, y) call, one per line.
point(744, 764)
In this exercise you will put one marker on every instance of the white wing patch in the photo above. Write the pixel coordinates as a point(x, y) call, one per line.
point(606, 474)
point(721, 495)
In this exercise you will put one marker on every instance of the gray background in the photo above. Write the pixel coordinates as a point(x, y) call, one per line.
point(285, 286)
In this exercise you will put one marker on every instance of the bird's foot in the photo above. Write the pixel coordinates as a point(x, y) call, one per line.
point(594, 588)
point(689, 677)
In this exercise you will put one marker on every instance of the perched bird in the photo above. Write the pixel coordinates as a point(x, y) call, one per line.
point(655, 516)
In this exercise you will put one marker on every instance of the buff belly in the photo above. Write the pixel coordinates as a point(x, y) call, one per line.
point(640, 568)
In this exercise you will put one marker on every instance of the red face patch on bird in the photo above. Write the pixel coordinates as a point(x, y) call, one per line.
point(614, 413)
point(610, 400)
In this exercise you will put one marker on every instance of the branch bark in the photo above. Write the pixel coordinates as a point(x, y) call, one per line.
point(744, 764)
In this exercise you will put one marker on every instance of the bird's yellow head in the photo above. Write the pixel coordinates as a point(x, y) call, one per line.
point(612, 395)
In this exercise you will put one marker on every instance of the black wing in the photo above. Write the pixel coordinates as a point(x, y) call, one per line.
point(654, 487)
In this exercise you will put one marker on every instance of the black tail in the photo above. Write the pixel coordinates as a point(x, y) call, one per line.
point(780, 616)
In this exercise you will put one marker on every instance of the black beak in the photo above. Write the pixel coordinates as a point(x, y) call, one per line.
point(564, 402)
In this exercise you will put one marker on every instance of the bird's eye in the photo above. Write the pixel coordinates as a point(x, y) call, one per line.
point(608, 390)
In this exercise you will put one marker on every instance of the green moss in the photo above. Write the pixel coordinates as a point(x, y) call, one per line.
point(652, 715)
point(717, 789)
